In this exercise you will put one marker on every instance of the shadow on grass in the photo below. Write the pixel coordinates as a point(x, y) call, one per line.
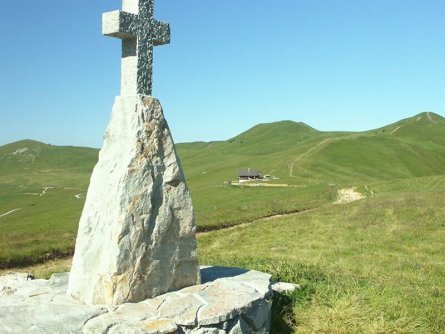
point(20, 261)
point(283, 308)
point(283, 318)
point(307, 277)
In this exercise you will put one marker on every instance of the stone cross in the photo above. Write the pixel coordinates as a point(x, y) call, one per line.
point(139, 32)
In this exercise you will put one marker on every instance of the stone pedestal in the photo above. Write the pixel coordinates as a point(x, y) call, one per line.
point(136, 237)
point(229, 301)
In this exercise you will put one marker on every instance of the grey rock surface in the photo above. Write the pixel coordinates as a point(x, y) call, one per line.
point(136, 237)
point(226, 304)
point(9, 281)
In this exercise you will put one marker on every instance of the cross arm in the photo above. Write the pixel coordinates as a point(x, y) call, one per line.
point(161, 33)
point(119, 24)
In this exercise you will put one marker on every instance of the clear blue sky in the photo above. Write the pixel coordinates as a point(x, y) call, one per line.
point(333, 64)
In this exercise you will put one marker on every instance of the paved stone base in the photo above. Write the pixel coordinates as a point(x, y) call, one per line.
point(228, 301)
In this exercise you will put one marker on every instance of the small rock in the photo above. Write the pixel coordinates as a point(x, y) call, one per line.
point(283, 287)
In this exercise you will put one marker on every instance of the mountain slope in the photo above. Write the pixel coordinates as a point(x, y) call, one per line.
point(42, 191)
point(43, 187)
point(299, 154)
point(35, 156)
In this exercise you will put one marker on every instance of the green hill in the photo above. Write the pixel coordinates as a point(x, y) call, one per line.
point(42, 191)
point(299, 154)
point(42, 187)
point(27, 157)
point(314, 163)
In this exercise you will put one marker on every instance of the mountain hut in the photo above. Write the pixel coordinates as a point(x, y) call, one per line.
point(249, 174)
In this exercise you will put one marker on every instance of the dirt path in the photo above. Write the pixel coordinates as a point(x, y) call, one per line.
point(64, 264)
point(429, 116)
point(348, 195)
point(345, 196)
point(395, 130)
point(9, 212)
point(44, 190)
point(253, 221)
point(291, 169)
point(435, 183)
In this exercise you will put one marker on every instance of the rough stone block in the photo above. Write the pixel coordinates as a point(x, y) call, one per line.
point(136, 237)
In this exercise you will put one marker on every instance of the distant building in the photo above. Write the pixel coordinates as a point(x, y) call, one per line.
point(249, 174)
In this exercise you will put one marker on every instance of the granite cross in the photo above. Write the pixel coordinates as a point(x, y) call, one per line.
point(139, 32)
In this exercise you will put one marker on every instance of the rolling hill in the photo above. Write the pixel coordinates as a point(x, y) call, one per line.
point(42, 187)
point(301, 155)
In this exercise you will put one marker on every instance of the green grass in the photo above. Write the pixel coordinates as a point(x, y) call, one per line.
point(51, 233)
point(304, 157)
point(315, 164)
point(45, 223)
point(373, 266)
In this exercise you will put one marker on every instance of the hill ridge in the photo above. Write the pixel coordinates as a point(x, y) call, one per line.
point(297, 125)
point(307, 167)
point(287, 148)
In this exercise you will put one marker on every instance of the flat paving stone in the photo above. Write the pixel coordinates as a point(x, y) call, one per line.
point(230, 300)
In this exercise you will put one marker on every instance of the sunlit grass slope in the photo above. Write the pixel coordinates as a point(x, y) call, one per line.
point(317, 163)
point(42, 187)
point(373, 266)
point(301, 155)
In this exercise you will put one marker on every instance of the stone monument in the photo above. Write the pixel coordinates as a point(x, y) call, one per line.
point(135, 268)
point(136, 237)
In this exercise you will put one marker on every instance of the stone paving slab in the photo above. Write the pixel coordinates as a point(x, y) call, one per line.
point(229, 301)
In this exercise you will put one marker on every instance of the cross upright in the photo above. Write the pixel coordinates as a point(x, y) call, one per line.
point(139, 32)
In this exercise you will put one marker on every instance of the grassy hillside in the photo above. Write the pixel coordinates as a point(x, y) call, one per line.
point(42, 191)
point(42, 187)
point(301, 155)
point(314, 163)
point(373, 266)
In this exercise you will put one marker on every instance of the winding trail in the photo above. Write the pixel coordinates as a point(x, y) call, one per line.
point(9, 212)
point(45, 190)
point(207, 229)
point(429, 116)
point(396, 129)
point(344, 196)
point(291, 169)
